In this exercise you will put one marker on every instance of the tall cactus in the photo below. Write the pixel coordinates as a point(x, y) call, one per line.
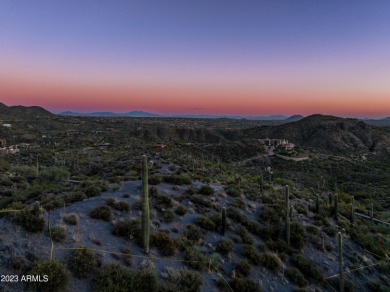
point(371, 212)
point(37, 209)
point(317, 204)
point(145, 206)
point(223, 224)
point(287, 217)
point(341, 272)
point(330, 199)
point(261, 183)
point(353, 210)
point(336, 207)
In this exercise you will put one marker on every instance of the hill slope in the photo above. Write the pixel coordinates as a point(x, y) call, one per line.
point(22, 111)
point(329, 133)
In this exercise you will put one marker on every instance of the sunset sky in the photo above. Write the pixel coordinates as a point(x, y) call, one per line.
point(197, 57)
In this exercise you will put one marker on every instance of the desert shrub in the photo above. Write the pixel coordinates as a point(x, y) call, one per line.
point(199, 200)
point(244, 234)
point(206, 190)
point(92, 191)
point(244, 285)
point(121, 206)
point(232, 191)
point(295, 276)
point(29, 221)
point(181, 179)
point(307, 267)
point(272, 213)
point(53, 174)
point(317, 243)
point(164, 243)
point(189, 281)
point(180, 210)
point(110, 201)
point(330, 230)
point(163, 201)
point(193, 233)
point(71, 219)
point(113, 277)
point(168, 216)
point(82, 262)
point(225, 246)
point(271, 261)
point(194, 258)
point(154, 180)
point(57, 233)
point(297, 235)
point(254, 228)
point(236, 216)
point(74, 197)
point(312, 229)
point(190, 191)
point(279, 245)
point(243, 268)
point(205, 223)
point(250, 253)
point(128, 229)
point(101, 212)
point(58, 276)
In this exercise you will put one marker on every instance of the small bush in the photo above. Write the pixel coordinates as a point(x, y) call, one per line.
point(121, 206)
point(279, 246)
point(180, 210)
point(164, 243)
point(82, 262)
point(128, 229)
point(206, 190)
point(250, 253)
point(194, 258)
point(193, 233)
point(225, 246)
point(71, 219)
point(101, 212)
point(312, 229)
point(205, 223)
point(27, 219)
point(189, 281)
point(113, 277)
point(168, 216)
point(243, 268)
point(244, 285)
point(330, 230)
point(58, 233)
point(296, 277)
point(271, 261)
point(57, 274)
point(307, 267)
point(245, 236)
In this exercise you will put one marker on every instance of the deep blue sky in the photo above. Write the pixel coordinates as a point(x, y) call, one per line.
point(195, 51)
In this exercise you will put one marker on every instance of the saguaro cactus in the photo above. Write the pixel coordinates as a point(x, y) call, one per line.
point(287, 217)
point(371, 212)
point(145, 206)
point(330, 199)
point(341, 273)
point(317, 203)
point(353, 210)
point(223, 226)
point(37, 209)
point(336, 207)
point(261, 183)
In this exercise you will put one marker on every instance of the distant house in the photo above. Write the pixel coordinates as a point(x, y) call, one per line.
point(159, 145)
point(9, 150)
point(7, 125)
point(2, 143)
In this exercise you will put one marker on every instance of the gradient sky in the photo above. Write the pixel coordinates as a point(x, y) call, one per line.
point(199, 57)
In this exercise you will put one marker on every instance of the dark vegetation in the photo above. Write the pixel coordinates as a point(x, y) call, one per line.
point(206, 165)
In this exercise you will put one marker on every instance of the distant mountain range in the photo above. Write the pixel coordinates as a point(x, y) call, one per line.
point(142, 114)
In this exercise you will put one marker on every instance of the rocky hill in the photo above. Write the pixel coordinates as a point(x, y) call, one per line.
point(23, 111)
point(329, 133)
